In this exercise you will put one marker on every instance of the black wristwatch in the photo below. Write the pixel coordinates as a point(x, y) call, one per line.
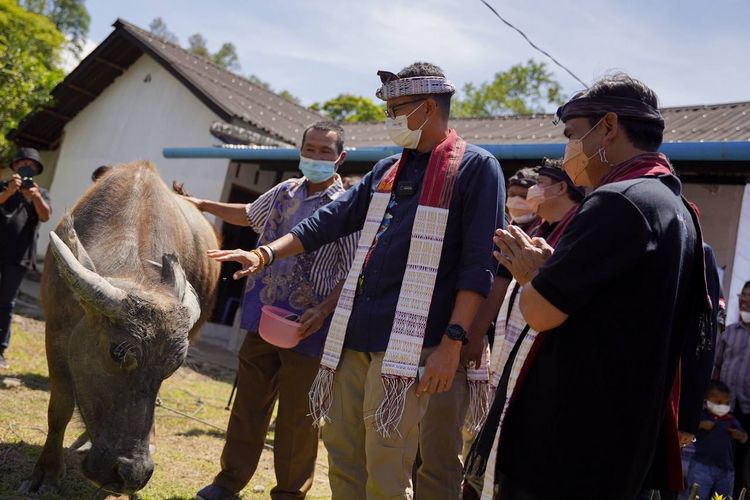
point(456, 332)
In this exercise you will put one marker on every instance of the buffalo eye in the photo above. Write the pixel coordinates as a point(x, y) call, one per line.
point(118, 352)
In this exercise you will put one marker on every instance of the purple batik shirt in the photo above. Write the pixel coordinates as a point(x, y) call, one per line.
point(300, 282)
point(732, 361)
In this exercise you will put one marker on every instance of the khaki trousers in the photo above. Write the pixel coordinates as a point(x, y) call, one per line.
point(441, 442)
point(362, 463)
point(266, 372)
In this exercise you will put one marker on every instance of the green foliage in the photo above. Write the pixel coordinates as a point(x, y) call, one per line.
point(350, 108)
point(159, 28)
point(70, 17)
point(197, 45)
point(289, 96)
point(255, 79)
point(522, 89)
point(30, 46)
point(226, 57)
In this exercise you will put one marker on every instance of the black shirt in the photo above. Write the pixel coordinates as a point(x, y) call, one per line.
point(19, 224)
point(586, 421)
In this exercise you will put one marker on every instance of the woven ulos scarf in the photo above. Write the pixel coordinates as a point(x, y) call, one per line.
point(402, 355)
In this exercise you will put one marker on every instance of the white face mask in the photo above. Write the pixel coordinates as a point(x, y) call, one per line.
point(718, 410)
point(519, 209)
point(745, 316)
point(538, 194)
point(401, 134)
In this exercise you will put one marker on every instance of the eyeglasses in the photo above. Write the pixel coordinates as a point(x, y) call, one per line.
point(390, 112)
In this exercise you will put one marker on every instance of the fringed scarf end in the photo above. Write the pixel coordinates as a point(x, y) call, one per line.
point(391, 409)
point(321, 393)
point(479, 406)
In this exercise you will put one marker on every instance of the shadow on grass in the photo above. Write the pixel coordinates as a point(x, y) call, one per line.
point(17, 462)
point(215, 433)
point(32, 381)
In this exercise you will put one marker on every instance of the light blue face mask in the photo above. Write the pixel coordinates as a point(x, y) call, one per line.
point(317, 171)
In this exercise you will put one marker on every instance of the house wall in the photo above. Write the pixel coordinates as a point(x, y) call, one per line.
point(720, 207)
point(143, 111)
point(741, 269)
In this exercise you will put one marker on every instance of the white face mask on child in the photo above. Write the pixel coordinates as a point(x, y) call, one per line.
point(718, 410)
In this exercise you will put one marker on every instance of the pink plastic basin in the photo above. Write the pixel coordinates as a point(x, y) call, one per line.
point(277, 330)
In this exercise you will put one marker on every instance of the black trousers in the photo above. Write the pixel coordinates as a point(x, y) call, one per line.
point(11, 276)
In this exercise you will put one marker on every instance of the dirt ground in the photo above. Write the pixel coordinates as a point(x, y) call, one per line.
point(188, 443)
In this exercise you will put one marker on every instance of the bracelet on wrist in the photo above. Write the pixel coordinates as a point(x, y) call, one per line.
point(261, 256)
point(271, 254)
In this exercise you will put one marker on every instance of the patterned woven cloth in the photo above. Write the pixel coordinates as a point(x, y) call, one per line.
point(417, 85)
point(402, 355)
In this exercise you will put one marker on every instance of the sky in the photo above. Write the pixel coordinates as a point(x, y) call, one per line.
point(688, 51)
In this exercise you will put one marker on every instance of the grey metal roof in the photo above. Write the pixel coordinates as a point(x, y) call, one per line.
point(716, 122)
point(233, 98)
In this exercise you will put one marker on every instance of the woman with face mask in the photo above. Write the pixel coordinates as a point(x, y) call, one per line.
point(553, 201)
point(516, 205)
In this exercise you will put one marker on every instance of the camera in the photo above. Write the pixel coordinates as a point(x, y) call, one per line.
point(27, 182)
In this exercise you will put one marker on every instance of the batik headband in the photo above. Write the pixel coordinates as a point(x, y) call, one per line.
point(393, 86)
point(623, 107)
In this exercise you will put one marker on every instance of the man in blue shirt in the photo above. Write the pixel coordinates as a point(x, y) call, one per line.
point(307, 286)
point(374, 414)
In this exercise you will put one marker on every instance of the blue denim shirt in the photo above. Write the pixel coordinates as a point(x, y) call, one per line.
point(466, 262)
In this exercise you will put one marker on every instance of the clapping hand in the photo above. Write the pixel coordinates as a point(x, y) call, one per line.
point(520, 253)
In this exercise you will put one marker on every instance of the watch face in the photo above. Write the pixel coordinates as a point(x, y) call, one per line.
point(455, 332)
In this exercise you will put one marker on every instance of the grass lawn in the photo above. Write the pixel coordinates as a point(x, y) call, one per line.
point(187, 451)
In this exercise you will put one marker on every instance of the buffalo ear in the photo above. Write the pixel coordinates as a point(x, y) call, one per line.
point(67, 233)
point(173, 276)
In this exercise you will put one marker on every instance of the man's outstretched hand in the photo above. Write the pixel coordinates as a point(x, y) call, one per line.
point(250, 262)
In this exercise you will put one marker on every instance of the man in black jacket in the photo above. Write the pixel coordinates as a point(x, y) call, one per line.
point(23, 205)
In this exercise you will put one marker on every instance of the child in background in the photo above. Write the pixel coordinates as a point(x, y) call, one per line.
point(712, 464)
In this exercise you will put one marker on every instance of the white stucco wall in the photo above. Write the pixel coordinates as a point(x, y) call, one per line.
point(720, 207)
point(741, 268)
point(134, 119)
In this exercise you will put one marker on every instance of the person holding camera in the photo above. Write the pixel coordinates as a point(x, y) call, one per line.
point(23, 205)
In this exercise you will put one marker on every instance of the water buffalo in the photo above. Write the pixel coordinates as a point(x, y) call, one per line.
point(126, 283)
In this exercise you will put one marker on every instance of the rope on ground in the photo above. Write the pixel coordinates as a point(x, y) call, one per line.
point(159, 404)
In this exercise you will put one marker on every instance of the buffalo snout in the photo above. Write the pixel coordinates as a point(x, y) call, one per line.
point(119, 474)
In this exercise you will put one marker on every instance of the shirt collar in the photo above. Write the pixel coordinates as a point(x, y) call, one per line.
point(332, 192)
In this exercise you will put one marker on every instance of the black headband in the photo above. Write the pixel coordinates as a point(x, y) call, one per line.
point(559, 175)
point(624, 107)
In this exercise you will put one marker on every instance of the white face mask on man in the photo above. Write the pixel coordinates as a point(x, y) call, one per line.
point(401, 134)
point(745, 316)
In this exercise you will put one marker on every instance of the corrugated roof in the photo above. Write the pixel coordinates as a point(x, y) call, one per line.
point(239, 102)
point(234, 98)
point(717, 122)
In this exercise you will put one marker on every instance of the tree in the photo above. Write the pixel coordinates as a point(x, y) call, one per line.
point(197, 45)
point(256, 80)
point(30, 47)
point(159, 28)
point(227, 57)
point(70, 17)
point(350, 108)
point(522, 89)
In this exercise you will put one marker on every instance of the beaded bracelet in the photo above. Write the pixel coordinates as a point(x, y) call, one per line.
point(260, 256)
